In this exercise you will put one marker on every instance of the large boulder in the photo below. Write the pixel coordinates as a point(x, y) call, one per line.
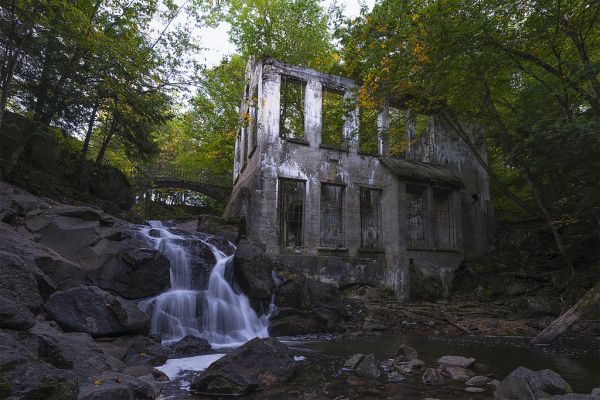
point(253, 271)
point(39, 380)
point(256, 365)
point(523, 383)
point(306, 306)
point(13, 315)
point(110, 184)
point(189, 346)
point(92, 310)
point(115, 386)
point(18, 282)
point(135, 350)
point(76, 351)
point(134, 274)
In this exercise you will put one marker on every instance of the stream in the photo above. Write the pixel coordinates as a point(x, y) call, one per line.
point(227, 321)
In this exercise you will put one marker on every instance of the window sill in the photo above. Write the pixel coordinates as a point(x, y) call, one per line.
point(340, 249)
point(368, 250)
point(433, 249)
point(335, 148)
point(302, 142)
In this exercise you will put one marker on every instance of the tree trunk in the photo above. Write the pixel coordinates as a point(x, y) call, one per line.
point(589, 302)
point(88, 134)
point(105, 143)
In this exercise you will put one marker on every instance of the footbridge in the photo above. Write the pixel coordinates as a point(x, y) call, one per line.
point(217, 186)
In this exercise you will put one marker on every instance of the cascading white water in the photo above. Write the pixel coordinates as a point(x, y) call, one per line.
point(227, 318)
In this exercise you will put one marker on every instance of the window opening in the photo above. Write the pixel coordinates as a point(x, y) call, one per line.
point(443, 218)
point(396, 132)
point(333, 119)
point(292, 108)
point(370, 218)
point(416, 215)
point(254, 105)
point(291, 211)
point(368, 131)
point(332, 215)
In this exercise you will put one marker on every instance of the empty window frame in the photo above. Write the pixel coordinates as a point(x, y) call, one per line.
point(416, 216)
point(291, 122)
point(254, 115)
point(332, 229)
point(396, 132)
point(333, 119)
point(291, 211)
point(368, 131)
point(443, 218)
point(370, 218)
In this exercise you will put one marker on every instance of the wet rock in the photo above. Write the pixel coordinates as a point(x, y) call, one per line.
point(189, 346)
point(457, 361)
point(92, 310)
point(142, 350)
point(256, 365)
point(14, 316)
point(477, 381)
point(474, 389)
point(115, 386)
point(456, 373)
point(395, 377)
point(318, 303)
point(432, 376)
point(525, 382)
point(405, 353)
point(367, 368)
point(253, 271)
point(134, 273)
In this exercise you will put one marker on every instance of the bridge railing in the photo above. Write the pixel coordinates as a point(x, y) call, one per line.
point(170, 173)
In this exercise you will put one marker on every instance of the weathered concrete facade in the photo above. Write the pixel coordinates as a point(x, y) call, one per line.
point(347, 217)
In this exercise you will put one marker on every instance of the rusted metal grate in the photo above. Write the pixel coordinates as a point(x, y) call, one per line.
point(291, 211)
point(370, 218)
point(416, 216)
point(332, 230)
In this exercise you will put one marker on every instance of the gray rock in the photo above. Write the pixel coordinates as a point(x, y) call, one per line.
point(405, 353)
point(473, 389)
point(253, 271)
point(14, 316)
point(478, 381)
point(40, 380)
point(256, 365)
point(18, 283)
point(6, 194)
point(395, 377)
point(367, 368)
point(353, 361)
point(189, 346)
point(596, 392)
point(134, 274)
point(540, 384)
point(141, 350)
point(77, 351)
point(573, 396)
point(432, 376)
point(115, 386)
point(516, 289)
point(457, 361)
point(306, 306)
point(456, 373)
point(92, 310)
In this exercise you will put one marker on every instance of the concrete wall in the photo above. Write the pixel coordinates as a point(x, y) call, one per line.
point(255, 193)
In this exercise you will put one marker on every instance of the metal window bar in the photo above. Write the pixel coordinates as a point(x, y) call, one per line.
point(416, 215)
point(292, 94)
point(291, 212)
point(443, 218)
point(370, 218)
point(332, 232)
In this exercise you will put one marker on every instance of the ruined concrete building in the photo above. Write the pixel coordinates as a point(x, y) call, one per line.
point(385, 197)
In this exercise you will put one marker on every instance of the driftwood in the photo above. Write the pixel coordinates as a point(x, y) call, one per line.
point(590, 301)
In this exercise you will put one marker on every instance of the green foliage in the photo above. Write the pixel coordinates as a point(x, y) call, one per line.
point(526, 71)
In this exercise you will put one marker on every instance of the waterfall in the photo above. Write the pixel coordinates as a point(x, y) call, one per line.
point(227, 318)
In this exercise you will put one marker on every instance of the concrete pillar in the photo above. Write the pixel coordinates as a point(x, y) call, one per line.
point(313, 105)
